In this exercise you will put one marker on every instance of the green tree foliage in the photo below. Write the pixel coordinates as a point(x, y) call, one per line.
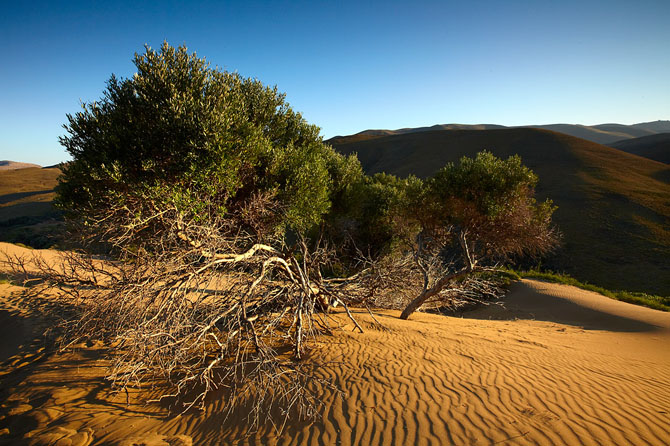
point(490, 202)
point(204, 187)
point(483, 209)
point(205, 141)
point(361, 218)
point(195, 177)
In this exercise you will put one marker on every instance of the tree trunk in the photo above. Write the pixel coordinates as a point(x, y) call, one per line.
point(427, 294)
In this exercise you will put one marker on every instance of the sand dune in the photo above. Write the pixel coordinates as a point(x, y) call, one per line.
point(555, 366)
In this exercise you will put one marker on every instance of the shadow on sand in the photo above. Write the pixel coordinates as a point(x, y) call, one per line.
point(526, 302)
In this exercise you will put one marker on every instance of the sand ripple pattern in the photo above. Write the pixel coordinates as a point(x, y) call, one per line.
point(440, 381)
point(557, 366)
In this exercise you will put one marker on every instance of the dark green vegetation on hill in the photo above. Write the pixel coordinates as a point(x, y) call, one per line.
point(27, 214)
point(204, 143)
point(655, 147)
point(613, 207)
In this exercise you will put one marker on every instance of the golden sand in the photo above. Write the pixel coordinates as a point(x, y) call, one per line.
point(556, 365)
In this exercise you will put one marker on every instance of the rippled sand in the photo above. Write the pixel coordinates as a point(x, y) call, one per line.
point(555, 366)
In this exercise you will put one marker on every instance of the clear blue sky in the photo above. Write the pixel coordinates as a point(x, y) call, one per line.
point(350, 66)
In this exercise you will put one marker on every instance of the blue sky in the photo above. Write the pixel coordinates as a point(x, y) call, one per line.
point(350, 66)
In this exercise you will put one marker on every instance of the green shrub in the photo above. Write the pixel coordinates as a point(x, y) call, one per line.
point(206, 142)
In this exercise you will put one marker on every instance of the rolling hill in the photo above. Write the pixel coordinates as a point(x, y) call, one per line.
point(27, 214)
point(655, 147)
point(371, 134)
point(601, 134)
point(609, 133)
point(614, 207)
point(12, 165)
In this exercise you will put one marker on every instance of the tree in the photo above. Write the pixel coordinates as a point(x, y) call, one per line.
point(474, 212)
point(200, 139)
point(361, 222)
point(201, 189)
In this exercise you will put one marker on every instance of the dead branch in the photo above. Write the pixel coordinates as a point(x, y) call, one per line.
point(202, 307)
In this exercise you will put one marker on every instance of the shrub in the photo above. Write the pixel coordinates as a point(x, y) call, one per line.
point(204, 186)
point(473, 212)
point(204, 141)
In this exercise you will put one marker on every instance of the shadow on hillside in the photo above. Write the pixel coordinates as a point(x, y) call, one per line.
point(29, 209)
point(662, 175)
point(8, 198)
point(529, 304)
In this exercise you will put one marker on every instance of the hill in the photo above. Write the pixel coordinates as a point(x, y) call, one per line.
point(654, 126)
point(11, 165)
point(655, 147)
point(608, 133)
point(601, 134)
point(614, 207)
point(371, 134)
point(27, 214)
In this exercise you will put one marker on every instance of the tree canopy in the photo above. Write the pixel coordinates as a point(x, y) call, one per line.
point(205, 140)
point(484, 209)
point(206, 188)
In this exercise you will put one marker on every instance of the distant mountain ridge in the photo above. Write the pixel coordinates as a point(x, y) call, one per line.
point(655, 147)
point(601, 133)
point(613, 207)
point(12, 165)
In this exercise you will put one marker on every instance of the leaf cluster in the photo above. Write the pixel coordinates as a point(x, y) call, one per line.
point(492, 202)
point(181, 133)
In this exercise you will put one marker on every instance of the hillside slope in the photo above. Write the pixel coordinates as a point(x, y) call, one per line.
point(601, 134)
point(12, 165)
point(655, 147)
point(614, 207)
point(27, 214)
point(371, 134)
point(608, 133)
